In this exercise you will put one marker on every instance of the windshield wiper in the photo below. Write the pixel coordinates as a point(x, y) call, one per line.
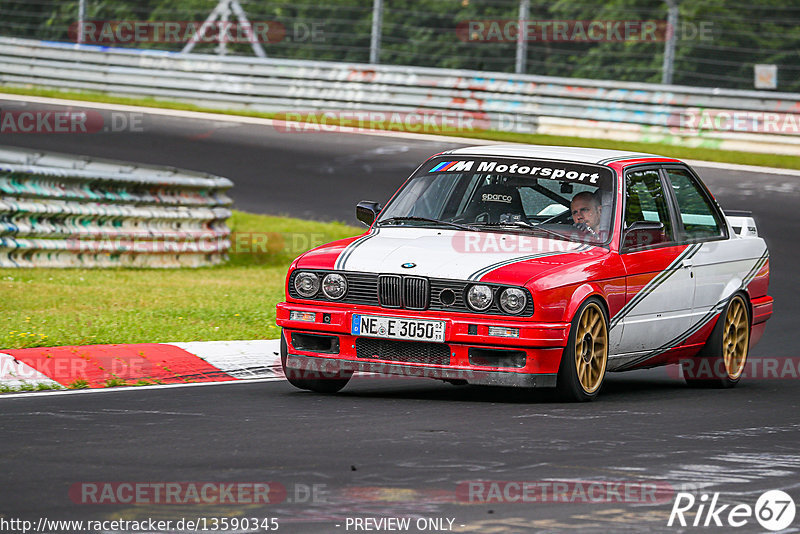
point(426, 219)
point(525, 224)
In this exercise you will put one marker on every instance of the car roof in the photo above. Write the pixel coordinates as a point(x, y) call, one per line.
point(564, 153)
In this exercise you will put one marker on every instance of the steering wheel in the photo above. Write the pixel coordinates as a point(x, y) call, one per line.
point(565, 215)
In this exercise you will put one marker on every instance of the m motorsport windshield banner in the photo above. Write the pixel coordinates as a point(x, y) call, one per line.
point(592, 175)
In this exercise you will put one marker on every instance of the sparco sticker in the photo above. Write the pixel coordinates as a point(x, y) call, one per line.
point(486, 197)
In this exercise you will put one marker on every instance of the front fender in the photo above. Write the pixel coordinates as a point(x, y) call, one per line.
point(581, 293)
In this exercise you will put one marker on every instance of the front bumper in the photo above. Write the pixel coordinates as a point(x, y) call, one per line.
point(537, 350)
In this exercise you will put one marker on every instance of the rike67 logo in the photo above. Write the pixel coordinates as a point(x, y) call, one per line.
point(774, 510)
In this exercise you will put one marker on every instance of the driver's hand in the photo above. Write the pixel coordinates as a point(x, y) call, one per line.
point(584, 227)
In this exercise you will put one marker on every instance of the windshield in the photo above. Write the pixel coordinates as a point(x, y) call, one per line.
point(564, 200)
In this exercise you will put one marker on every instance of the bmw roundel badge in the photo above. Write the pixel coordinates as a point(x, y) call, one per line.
point(408, 265)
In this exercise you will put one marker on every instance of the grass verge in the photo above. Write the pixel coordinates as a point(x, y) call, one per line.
point(4, 388)
point(665, 149)
point(55, 307)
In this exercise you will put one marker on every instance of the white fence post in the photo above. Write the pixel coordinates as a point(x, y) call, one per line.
point(81, 19)
point(377, 26)
point(669, 47)
point(522, 41)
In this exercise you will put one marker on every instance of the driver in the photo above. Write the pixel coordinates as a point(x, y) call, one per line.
point(586, 210)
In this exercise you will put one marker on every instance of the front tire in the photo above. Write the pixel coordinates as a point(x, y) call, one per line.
point(312, 380)
point(583, 364)
point(722, 360)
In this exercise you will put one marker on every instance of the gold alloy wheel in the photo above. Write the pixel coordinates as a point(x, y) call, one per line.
point(591, 348)
point(735, 338)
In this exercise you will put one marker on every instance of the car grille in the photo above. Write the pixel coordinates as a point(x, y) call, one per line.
point(403, 351)
point(361, 288)
point(409, 292)
point(415, 293)
point(390, 291)
point(396, 291)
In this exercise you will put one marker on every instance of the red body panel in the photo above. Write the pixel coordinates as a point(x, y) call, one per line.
point(323, 257)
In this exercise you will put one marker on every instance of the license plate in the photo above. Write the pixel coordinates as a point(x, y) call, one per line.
point(397, 328)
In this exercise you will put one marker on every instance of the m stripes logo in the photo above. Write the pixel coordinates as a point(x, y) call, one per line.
point(453, 166)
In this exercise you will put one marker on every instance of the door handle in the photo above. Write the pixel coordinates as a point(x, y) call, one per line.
point(686, 264)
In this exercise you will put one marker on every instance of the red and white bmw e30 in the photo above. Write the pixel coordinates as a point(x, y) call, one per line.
point(532, 266)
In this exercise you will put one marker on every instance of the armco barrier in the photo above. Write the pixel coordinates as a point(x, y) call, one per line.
point(65, 211)
point(715, 118)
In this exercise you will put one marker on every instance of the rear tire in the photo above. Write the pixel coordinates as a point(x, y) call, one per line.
point(312, 380)
point(722, 360)
point(583, 364)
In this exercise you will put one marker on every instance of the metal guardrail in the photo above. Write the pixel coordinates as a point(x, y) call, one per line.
point(64, 211)
point(524, 103)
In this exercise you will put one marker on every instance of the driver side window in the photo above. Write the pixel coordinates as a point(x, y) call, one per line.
point(645, 201)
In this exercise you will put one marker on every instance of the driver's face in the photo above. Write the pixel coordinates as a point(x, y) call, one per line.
point(585, 211)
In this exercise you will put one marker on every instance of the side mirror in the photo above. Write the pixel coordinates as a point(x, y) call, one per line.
point(643, 234)
point(367, 211)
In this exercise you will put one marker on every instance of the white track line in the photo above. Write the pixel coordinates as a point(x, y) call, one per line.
point(35, 394)
point(221, 117)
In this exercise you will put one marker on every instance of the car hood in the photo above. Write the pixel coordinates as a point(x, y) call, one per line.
point(443, 253)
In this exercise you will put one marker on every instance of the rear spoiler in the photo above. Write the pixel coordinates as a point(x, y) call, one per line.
point(742, 222)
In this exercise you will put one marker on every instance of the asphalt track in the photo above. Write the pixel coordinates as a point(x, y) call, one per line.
point(401, 447)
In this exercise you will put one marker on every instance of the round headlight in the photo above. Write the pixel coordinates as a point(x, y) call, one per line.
point(306, 284)
point(512, 300)
point(479, 297)
point(334, 286)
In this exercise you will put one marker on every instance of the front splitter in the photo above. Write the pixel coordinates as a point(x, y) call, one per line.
point(322, 367)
